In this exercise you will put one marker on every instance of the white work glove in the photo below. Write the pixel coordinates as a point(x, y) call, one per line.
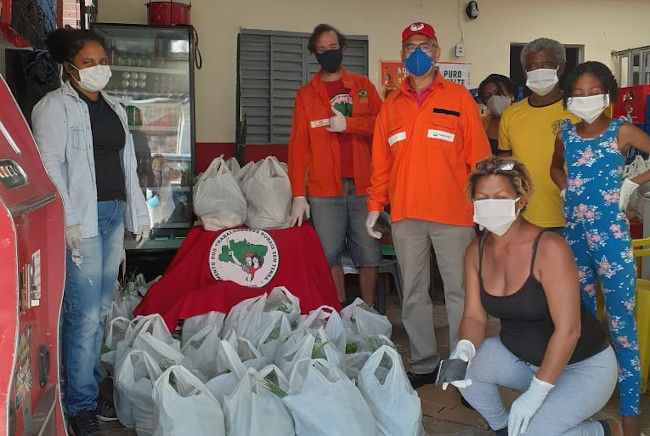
point(141, 236)
point(528, 403)
point(299, 210)
point(371, 220)
point(73, 236)
point(464, 351)
point(627, 188)
point(563, 193)
point(337, 122)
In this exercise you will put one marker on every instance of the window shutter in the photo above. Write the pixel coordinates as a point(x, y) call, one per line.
point(272, 67)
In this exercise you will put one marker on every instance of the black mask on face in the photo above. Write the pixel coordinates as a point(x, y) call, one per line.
point(330, 60)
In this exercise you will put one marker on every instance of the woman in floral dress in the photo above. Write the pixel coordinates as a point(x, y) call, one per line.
point(595, 198)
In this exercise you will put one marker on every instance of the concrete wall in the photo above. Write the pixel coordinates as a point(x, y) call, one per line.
point(599, 25)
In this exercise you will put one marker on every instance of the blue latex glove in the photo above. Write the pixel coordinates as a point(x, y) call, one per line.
point(527, 405)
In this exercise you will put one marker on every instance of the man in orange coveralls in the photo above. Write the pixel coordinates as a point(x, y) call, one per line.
point(329, 148)
point(428, 137)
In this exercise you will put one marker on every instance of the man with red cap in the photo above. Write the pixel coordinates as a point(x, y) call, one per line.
point(428, 138)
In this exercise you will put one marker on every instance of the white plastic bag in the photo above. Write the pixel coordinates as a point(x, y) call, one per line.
point(202, 348)
point(268, 194)
point(329, 318)
point(387, 390)
point(152, 324)
point(184, 406)
point(233, 166)
point(115, 333)
point(364, 320)
point(298, 346)
point(132, 389)
point(245, 318)
point(273, 337)
point(164, 354)
point(324, 402)
point(250, 318)
point(282, 300)
point(232, 368)
point(246, 171)
point(195, 324)
point(253, 409)
point(218, 200)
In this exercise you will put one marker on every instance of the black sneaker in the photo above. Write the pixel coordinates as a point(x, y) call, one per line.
point(419, 380)
point(105, 410)
point(84, 423)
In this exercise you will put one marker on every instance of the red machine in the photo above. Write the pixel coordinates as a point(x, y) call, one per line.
point(632, 103)
point(32, 262)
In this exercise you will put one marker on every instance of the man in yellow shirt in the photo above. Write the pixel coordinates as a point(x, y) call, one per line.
point(528, 128)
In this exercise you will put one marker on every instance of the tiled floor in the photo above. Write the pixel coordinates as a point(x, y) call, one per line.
point(443, 413)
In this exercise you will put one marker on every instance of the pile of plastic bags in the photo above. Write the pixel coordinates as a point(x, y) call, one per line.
point(258, 195)
point(262, 369)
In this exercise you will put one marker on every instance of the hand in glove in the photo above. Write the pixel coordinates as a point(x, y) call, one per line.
point(371, 220)
point(563, 193)
point(464, 351)
point(627, 188)
point(73, 236)
point(337, 122)
point(142, 236)
point(527, 405)
point(299, 210)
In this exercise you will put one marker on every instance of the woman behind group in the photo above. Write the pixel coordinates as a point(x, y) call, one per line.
point(549, 346)
point(594, 206)
point(497, 92)
point(88, 151)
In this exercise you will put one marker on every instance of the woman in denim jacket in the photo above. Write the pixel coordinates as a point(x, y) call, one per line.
point(88, 152)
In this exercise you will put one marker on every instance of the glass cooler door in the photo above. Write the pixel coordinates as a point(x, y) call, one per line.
point(153, 78)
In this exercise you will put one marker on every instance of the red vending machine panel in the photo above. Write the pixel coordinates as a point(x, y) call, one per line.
point(32, 264)
point(631, 103)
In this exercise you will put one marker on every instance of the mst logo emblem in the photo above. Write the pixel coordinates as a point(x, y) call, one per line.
point(248, 257)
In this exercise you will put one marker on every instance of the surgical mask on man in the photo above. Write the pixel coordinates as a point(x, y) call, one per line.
point(330, 60)
point(542, 81)
point(497, 104)
point(418, 63)
point(93, 79)
point(588, 108)
point(495, 215)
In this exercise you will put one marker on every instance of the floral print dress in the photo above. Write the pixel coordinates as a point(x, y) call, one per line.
point(599, 236)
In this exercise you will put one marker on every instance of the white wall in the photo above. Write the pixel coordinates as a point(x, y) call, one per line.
point(600, 25)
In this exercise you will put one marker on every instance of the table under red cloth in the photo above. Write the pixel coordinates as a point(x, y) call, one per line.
point(188, 287)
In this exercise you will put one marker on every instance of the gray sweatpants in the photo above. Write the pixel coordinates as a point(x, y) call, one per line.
point(412, 240)
point(582, 390)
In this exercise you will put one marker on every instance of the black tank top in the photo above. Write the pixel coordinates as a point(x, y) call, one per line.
point(526, 323)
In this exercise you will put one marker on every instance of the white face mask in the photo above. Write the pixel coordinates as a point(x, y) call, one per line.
point(495, 215)
point(588, 108)
point(542, 81)
point(497, 104)
point(93, 79)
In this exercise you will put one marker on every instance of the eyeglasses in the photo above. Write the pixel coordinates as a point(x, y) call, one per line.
point(425, 47)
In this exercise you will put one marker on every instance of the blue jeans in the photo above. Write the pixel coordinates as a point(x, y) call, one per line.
point(89, 285)
point(340, 222)
point(582, 390)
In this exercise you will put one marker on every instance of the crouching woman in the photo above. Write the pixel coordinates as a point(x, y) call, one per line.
point(550, 347)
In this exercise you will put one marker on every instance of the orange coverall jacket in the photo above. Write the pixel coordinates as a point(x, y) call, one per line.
point(422, 156)
point(314, 152)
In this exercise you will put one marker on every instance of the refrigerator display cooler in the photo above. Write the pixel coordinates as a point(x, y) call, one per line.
point(153, 78)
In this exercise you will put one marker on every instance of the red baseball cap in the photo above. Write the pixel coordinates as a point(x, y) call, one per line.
point(419, 28)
